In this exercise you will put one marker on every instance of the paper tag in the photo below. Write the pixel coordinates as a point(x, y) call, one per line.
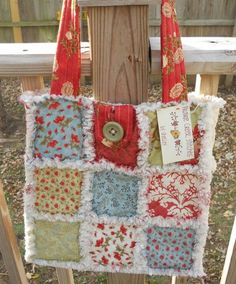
point(176, 134)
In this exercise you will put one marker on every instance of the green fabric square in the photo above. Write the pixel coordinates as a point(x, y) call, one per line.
point(57, 241)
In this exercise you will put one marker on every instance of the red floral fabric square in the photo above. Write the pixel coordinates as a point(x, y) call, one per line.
point(113, 245)
point(58, 191)
point(174, 194)
point(125, 151)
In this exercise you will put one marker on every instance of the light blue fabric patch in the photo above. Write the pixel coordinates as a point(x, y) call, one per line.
point(170, 248)
point(58, 130)
point(115, 194)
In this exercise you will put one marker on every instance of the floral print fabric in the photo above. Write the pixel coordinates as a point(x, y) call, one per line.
point(113, 245)
point(170, 248)
point(58, 190)
point(115, 194)
point(67, 66)
point(174, 82)
point(57, 240)
point(58, 130)
point(174, 194)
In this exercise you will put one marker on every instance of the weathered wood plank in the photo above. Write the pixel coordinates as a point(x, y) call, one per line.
point(15, 15)
point(202, 55)
point(65, 276)
point(229, 272)
point(230, 78)
point(8, 244)
point(119, 48)
point(97, 3)
point(209, 84)
point(123, 278)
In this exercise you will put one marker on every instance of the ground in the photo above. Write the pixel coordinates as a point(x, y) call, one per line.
point(223, 202)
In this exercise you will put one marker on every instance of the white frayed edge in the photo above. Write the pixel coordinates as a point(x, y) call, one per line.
point(88, 133)
point(87, 198)
point(144, 141)
point(140, 265)
point(204, 193)
point(205, 168)
point(30, 249)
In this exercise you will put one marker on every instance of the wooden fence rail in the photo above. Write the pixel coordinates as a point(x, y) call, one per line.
point(209, 57)
point(203, 55)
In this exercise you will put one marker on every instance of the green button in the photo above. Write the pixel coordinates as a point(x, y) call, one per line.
point(113, 131)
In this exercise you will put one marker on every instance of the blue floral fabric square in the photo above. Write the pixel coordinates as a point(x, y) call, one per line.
point(170, 248)
point(58, 130)
point(115, 194)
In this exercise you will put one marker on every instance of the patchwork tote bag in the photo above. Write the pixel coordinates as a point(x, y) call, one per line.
point(113, 187)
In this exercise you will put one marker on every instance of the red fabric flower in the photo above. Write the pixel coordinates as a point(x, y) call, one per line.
point(133, 244)
point(123, 230)
point(75, 138)
point(52, 143)
point(105, 261)
point(54, 105)
point(59, 119)
point(99, 242)
point(117, 256)
point(39, 120)
point(100, 226)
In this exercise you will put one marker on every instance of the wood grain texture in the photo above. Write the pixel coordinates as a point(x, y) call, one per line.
point(209, 84)
point(8, 245)
point(230, 78)
point(123, 278)
point(119, 52)
point(229, 272)
point(96, 3)
point(210, 55)
point(65, 276)
point(15, 16)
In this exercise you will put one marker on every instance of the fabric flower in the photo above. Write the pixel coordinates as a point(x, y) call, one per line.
point(178, 56)
point(176, 91)
point(69, 35)
point(39, 120)
point(167, 10)
point(164, 61)
point(54, 105)
point(67, 89)
point(59, 119)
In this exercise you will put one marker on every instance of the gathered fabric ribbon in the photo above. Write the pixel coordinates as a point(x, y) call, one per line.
point(67, 63)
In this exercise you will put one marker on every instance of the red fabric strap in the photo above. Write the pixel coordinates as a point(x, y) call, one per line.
point(67, 63)
point(174, 83)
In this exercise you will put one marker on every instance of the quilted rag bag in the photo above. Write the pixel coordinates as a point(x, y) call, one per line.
point(113, 187)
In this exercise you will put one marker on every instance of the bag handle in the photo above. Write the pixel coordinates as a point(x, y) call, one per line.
point(174, 82)
point(67, 64)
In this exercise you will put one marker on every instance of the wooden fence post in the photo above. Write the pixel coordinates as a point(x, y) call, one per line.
point(8, 245)
point(65, 276)
point(119, 52)
point(230, 78)
point(229, 272)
